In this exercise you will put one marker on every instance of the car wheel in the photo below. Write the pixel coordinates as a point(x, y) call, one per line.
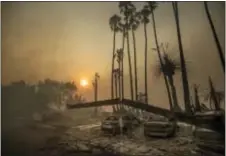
point(124, 130)
point(145, 134)
point(113, 132)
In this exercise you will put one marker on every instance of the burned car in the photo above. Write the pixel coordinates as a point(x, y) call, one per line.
point(209, 134)
point(160, 127)
point(117, 123)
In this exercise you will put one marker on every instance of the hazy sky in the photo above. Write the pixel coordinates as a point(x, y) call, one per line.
point(71, 40)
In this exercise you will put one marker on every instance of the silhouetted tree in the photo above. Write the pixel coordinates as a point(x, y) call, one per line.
point(117, 86)
point(114, 24)
point(197, 102)
point(182, 60)
point(214, 96)
point(126, 8)
point(95, 86)
point(134, 23)
point(152, 7)
point(144, 17)
point(120, 61)
point(165, 77)
point(168, 68)
point(220, 52)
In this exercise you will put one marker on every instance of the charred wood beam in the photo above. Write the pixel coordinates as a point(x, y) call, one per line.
point(94, 104)
point(135, 104)
point(180, 116)
point(146, 107)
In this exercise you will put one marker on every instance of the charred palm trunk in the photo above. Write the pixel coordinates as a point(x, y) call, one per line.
point(135, 64)
point(145, 64)
point(182, 61)
point(116, 85)
point(161, 62)
point(176, 107)
point(95, 94)
point(112, 68)
point(213, 95)
point(119, 81)
point(197, 102)
point(119, 88)
point(220, 52)
point(130, 66)
point(116, 90)
point(122, 67)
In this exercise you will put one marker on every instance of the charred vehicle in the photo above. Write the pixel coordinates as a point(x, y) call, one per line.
point(113, 125)
point(209, 133)
point(160, 127)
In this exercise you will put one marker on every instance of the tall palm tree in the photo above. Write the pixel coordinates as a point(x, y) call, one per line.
point(165, 80)
point(134, 23)
point(220, 52)
point(144, 17)
point(168, 69)
point(114, 25)
point(119, 54)
point(95, 85)
point(117, 80)
point(152, 7)
point(127, 8)
point(182, 60)
point(122, 29)
point(115, 73)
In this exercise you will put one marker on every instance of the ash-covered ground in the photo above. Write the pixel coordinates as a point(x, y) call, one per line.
point(76, 138)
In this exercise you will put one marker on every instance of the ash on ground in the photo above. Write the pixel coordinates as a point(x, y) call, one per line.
point(92, 141)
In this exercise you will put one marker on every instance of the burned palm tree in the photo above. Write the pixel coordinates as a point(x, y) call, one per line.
point(152, 6)
point(220, 52)
point(126, 8)
point(116, 80)
point(116, 73)
point(134, 23)
point(182, 60)
point(114, 25)
point(214, 97)
point(168, 68)
point(119, 55)
point(197, 102)
point(144, 18)
point(95, 86)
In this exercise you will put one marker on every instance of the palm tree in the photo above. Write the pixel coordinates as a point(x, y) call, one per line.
point(114, 24)
point(144, 17)
point(215, 96)
point(95, 86)
point(220, 52)
point(116, 73)
point(182, 61)
point(134, 23)
point(168, 69)
point(122, 29)
point(127, 8)
point(152, 7)
point(165, 77)
point(119, 54)
point(197, 102)
point(220, 96)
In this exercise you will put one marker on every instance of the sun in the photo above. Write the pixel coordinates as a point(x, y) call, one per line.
point(83, 82)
